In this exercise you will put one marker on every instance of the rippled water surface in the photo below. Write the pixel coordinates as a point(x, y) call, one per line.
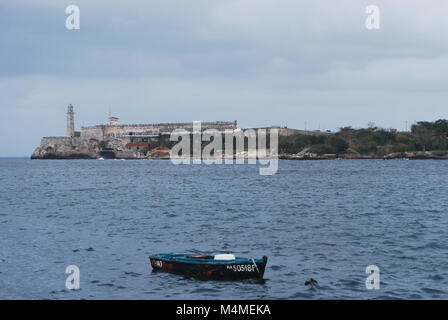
point(323, 219)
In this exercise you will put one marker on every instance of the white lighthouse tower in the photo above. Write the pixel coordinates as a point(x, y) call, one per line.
point(70, 122)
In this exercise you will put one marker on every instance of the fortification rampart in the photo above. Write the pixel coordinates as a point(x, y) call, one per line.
point(96, 132)
point(289, 132)
point(111, 140)
point(118, 140)
point(117, 131)
point(56, 140)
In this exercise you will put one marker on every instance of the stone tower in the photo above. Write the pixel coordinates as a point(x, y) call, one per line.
point(70, 122)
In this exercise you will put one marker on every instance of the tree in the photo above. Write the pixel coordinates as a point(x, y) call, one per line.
point(441, 132)
point(423, 132)
point(337, 143)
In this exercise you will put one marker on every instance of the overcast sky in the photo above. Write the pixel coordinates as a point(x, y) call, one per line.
point(261, 62)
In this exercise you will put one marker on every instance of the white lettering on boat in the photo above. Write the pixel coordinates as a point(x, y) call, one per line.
point(241, 267)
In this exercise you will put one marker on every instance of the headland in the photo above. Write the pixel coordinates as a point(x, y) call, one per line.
point(425, 140)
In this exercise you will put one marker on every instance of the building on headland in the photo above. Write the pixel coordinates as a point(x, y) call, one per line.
point(285, 131)
point(129, 141)
point(113, 121)
point(128, 131)
point(113, 140)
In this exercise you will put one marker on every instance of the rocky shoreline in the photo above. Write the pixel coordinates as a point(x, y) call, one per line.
point(390, 156)
point(307, 156)
point(59, 148)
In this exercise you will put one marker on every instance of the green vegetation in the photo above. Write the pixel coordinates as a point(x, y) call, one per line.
point(372, 141)
point(366, 142)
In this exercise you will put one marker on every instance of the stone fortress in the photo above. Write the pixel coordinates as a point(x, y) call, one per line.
point(128, 131)
point(114, 140)
point(125, 141)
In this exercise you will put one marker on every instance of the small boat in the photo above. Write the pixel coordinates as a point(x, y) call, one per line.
point(218, 267)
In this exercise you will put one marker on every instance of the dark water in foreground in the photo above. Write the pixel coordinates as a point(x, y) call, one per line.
point(322, 219)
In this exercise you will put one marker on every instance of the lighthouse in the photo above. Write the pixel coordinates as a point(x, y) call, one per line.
point(70, 122)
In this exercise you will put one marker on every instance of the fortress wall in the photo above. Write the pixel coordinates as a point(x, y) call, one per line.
point(55, 140)
point(102, 131)
point(138, 129)
point(48, 141)
point(218, 125)
point(96, 132)
point(289, 132)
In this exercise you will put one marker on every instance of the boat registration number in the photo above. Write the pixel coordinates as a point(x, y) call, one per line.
point(241, 267)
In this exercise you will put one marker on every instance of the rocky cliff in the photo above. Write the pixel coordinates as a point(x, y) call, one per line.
point(80, 148)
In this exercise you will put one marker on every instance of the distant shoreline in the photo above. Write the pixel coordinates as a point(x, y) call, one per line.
point(294, 157)
point(390, 156)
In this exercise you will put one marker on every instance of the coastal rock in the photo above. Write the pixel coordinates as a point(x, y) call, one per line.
point(81, 148)
point(423, 155)
point(353, 152)
point(395, 155)
point(67, 148)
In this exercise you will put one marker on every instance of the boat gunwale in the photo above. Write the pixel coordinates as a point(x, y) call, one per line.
point(182, 258)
